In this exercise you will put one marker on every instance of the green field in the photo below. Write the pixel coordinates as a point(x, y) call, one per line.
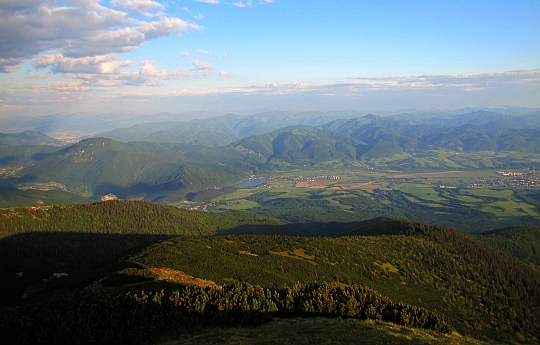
point(435, 197)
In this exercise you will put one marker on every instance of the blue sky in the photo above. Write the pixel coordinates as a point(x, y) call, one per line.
point(149, 56)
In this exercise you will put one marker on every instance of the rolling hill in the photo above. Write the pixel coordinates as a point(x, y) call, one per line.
point(28, 138)
point(97, 167)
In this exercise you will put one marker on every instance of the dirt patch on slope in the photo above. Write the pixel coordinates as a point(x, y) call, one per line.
point(179, 276)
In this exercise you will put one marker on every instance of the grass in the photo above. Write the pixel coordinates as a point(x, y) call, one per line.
point(426, 194)
point(493, 193)
point(467, 199)
point(238, 204)
point(318, 331)
point(418, 188)
point(237, 194)
point(387, 267)
point(510, 208)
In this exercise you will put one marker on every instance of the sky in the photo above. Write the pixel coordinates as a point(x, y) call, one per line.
point(245, 56)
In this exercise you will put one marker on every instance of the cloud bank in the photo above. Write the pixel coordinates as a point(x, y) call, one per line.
point(79, 28)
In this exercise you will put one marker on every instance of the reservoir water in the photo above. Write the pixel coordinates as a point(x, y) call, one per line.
point(251, 183)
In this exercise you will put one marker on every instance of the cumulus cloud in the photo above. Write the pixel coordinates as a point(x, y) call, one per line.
point(205, 52)
point(223, 74)
point(149, 75)
point(102, 64)
point(108, 70)
point(144, 7)
point(77, 28)
point(8, 65)
point(201, 67)
point(149, 69)
point(184, 54)
point(164, 27)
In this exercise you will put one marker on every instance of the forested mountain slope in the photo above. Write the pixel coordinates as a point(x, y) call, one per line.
point(478, 290)
point(54, 238)
point(521, 242)
point(96, 167)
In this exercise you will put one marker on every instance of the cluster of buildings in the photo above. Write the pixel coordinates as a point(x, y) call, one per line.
point(315, 178)
point(203, 208)
point(527, 179)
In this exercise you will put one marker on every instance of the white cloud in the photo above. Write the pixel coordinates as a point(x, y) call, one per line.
point(204, 52)
point(102, 64)
point(184, 54)
point(201, 67)
point(143, 7)
point(107, 71)
point(469, 82)
point(223, 74)
point(215, 2)
point(67, 87)
point(136, 94)
point(166, 26)
point(77, 28)
point(150, 70)
point(100, 92)
point(264, 2)
point(242, 4)
point(199, 16)
point(384, 85)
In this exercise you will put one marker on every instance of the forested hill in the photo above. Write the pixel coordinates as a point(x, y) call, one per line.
point(54, 238)
point(97, 167)
point(27, 138)
point(481, 291)
point(521, 242)
point(478, 290)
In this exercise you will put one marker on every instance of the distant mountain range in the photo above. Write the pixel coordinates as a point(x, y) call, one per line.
point(226, 129)
point(170, 160)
